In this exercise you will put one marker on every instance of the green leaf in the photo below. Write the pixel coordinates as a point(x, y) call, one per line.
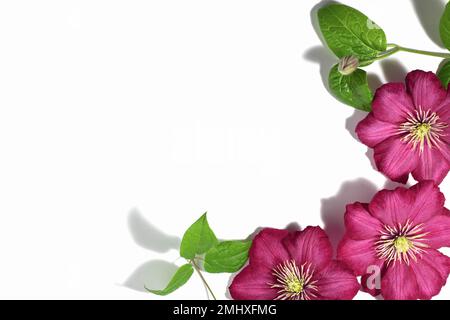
point(444, 74)
point(179, 279)
point(227, 256)
point(352, 89)
point(198, 239)
point(444, 26)
point(349, 32)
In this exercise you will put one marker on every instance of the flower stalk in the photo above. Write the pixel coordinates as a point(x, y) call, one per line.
point(394, 48)
point(197, 268)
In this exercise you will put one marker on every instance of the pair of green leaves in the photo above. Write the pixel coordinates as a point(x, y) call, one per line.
point(444, 30)
point(349, 32)
point(218, 256)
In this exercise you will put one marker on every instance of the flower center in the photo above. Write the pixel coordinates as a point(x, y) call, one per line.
point(423, 127)
point(401, 243)
point(294, 285)
point(422, 130)
point(293, 282)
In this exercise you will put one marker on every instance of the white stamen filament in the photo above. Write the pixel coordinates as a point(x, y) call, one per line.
point(294, 283)
point(421, 127)
point(401, 243)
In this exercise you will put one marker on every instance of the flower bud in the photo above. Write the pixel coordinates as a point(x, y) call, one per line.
point(348, 65)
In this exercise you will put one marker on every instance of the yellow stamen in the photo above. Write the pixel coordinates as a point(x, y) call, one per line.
point(423, 128)
point(294, 282)
point(294, 285)
point(402, 244)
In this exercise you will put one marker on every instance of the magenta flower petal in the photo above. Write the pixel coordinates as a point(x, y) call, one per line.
point(310, 246)
point(433, 166)
point(438, 229)
point(395, 159)
point(439, 261)
point(267, 249)
point(252, 284)
point(446, 212)
point(425, 89)
point(444, 113)
point(409, 129)
point(293, 273)
point(391, 206)
point(429, 279)
point(417, 204)
point(428, 201)
point(445, 152)
point(412, 224)
point(357, 254)
point(359, 222)
point(372, 131)
point(399, 283)
point(392, 103)
point(337, 282)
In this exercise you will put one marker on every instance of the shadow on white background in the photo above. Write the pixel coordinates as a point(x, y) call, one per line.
point(154, 274)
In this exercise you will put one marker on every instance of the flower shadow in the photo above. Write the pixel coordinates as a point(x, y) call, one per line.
point(333, 208)
point(352, 121)
point(428, 13)
point(370, 156)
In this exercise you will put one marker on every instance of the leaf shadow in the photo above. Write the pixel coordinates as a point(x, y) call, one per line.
point(326, 61)
point(320, 54)
point(393, 70)
point(153, 274)
point(429, 13)
point(323, 56)
point(148, 236)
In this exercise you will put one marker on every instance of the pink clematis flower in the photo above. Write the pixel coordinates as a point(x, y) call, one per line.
point(297, 265)
point(408, 128)
point(395, 239)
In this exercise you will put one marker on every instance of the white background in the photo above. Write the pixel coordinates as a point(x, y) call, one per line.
point(121, 122)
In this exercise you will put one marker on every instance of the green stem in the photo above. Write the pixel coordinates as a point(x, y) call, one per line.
point(423, 52)
point(396, 48)
point(203, 278)
point(386, 54)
